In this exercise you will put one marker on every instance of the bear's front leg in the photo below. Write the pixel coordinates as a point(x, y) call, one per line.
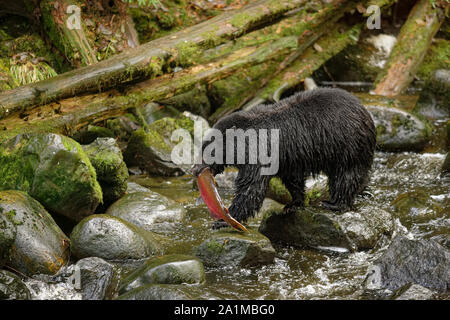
point(251, 188)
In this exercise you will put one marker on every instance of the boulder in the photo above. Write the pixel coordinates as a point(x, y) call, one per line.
point(54, 170)
point(158, 292)
point(133, 187)
point(12, 287)
point(422, 262)
point(399, 130)
point(30, 240)
point(170, 269)
point(413, 292)
point(232, 248)
point(112, 238)
point(98, 279)
point(315, 227)
point(434, 100)
point(112, 172)
point(148, 210)
point(151, 149)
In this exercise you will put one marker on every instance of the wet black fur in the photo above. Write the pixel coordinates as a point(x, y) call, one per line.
point(324, 130)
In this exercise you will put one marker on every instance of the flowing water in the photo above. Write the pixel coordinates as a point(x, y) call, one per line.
point(409, 185)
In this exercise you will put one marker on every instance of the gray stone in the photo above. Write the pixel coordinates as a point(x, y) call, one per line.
point(230, 248)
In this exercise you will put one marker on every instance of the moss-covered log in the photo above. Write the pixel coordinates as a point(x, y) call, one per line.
point(148, 60)
point(325, 48)
point(412, 44)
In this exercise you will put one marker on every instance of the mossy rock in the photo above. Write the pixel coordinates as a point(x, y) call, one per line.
point(232, 248)
point(314, 227)
point(12, 287)
point(399, 130)
point(148, 210)
point(169, 269)
point(112, 238)
point(54, 170)
point(195, 101)
point(123, 126)
point(112, 172)
point(38, 246)
point(434, 100)
point(151, 149)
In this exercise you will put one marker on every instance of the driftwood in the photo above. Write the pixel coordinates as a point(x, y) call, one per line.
point(412, 44)
point(148, 60)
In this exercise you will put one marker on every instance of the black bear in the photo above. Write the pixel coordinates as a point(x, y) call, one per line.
point(323, 130)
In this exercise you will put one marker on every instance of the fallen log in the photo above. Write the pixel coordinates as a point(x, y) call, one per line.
point(148, 60)
point(325, 48)
point(412, 44)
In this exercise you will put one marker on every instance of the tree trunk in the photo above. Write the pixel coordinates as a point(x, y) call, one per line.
point(148, 60)
point(412, 43)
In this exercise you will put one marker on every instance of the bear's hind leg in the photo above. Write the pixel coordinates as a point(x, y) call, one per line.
point(344, 186)
point(296, 187)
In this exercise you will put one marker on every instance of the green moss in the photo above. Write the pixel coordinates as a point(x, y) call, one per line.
point(240, 20)
point(278, 192)
point(215, 247)
point(437, 57)
point(187, 53)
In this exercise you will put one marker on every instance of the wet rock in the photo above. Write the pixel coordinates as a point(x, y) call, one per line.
point(446, 165)
point(230, 248)
point(413, 292)
point(398, 130)
point(54, 170)
point(406, 261)
point(434, 100)
point(148, 210)
point(90, 133)
point(39, 245)
point(158, 292)
point(12, 287)
point(98, 279)
point(314, 227)
point(226, 180)
point(151, 149)
point(112, 238)
point(133, 187)
point(123, 126)
point(170, 269)
point(112, 172)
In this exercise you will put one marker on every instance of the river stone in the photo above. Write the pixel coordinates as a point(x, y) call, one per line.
point(99, 279)
point(133, 187)
point(151, 149)
point(12, 287)
point(158, 292)
point(112, 172)
point(316, 227)
point(446, 165)
point(434, 100)
point(232, 248)
point(148, 210)
point(413, 292)
point(39, 245)
point(54, 170)
point(423, 262)
point(169, 269)
point(398, 130)
point(112, 238)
